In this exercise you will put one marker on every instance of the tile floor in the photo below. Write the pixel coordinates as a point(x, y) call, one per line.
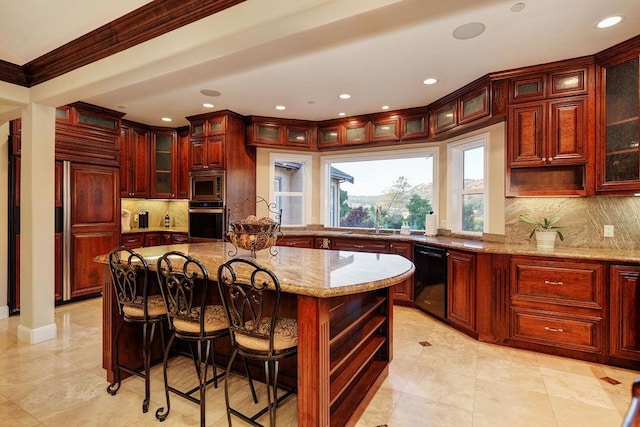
point(456, 381)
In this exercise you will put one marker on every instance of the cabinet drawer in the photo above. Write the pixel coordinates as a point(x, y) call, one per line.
point(573, 284)
point(573, 332)
point(360, 245)
point(298, 242)
point(132, 241)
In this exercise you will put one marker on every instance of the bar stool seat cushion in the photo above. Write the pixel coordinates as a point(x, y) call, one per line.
point(155, 307)
point(215, 319)
point(285, 335)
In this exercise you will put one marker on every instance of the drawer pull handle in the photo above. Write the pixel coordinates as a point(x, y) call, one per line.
point(358, 246)
point(546, 328)
point(551, 282)
point(291, 244)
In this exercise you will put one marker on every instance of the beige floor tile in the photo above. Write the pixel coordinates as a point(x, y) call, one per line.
point(454, 381)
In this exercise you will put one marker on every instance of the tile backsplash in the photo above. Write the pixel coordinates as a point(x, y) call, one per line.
point(583, 220)
point(178, 211)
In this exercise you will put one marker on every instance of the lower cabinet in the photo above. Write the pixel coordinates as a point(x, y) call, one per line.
point(142, 239)
point(557, 303)
point(296, 241)
point(625, 311)
point(132, 241)
point(403, 291)
point(461, 293)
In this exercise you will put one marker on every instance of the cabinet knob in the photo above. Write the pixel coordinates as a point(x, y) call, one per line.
point(544, 159)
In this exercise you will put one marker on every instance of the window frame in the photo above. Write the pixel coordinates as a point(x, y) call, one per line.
point(325, 175)
point(307, 161)
point(455, 181)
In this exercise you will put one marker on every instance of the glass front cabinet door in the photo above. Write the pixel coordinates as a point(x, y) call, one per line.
point(619, 168)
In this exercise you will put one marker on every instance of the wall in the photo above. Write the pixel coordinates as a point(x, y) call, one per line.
point(4, 218)
point(178, 211)
point(582, 218)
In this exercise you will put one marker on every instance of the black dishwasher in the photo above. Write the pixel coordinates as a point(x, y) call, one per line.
point(430, 279)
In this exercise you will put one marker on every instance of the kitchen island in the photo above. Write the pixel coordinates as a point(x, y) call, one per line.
point(344, 306)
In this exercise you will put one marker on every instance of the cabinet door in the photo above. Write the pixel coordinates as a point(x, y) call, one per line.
point(355, 132)
point(625, 311)
point(298, 136)
point(182, 190)
point(619, 152)
point(474, 105)
point(267, 133)
point(329, 137)
point(462, 289)
point(526, 132)
point(360, 245)
point(134, 161)
point(132, 241)
point(385, 130)
point(297, 241)
point(163, 165)
point(403, 291)
point(443, 118)
point(197, 155)
point(414, 127)
point(527, 88)
point(567, 130)
point(214, 152)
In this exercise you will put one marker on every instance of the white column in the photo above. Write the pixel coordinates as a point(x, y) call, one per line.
point(4, 218)
point(37, 217)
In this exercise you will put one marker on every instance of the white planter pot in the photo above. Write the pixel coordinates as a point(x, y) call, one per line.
point(546, 240)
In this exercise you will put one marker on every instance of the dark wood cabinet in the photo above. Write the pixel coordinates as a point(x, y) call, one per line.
point(625, 311)
point(281, 133)
point(461, 292)
point(550, 131)
point(557, 304)
point(403, 291)
point(158, 239)
point(218, 142)
point(134, 162)
point(95, 228)
point(619, 131)
point(182, 179)
point(164, 164)
point(296, 241)
point(132, 241)
point(414, 126)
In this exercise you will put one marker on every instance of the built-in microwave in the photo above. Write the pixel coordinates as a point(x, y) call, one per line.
point(207, 186)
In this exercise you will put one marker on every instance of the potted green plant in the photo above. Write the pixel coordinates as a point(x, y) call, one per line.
point(545, 230)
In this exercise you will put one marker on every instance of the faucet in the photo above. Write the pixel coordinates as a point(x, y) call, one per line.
point(377, 226)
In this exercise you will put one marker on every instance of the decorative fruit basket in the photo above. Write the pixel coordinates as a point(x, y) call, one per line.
point(253, 233)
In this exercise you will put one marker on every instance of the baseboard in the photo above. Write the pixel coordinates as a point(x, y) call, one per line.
point(4, 312)
point(37, 335)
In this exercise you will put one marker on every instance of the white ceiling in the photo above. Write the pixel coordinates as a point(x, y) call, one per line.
point(304, 53)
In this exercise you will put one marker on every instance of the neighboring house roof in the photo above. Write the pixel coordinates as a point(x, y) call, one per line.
point(335, 173)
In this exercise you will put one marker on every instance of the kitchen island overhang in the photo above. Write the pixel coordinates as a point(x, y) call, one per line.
point(344, 306)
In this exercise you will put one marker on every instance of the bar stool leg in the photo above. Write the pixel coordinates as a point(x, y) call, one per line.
point(115, 385)
point(161, 413)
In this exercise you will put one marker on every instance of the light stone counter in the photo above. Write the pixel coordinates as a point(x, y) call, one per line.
point(310, 272)
point(561, 250)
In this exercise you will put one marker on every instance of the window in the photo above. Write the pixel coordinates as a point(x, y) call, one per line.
point(290, 175)
point(467, 184)
point(400, 185)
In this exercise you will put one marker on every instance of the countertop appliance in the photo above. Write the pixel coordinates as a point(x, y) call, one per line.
point(430, 279)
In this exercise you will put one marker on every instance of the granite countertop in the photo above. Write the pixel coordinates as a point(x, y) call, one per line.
point(560, 251)
point(157, 230)
point(311, 272)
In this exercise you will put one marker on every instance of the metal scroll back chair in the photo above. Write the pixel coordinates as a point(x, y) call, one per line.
point(257, 332)
point(184, 282)
point(129, 275)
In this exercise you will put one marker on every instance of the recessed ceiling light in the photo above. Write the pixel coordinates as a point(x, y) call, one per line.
point(609, 22)
point(210, 92)
point(342, 114)
point(344, 96)
point(385, 107)
point(207, 105)
point(468, 31)
point(430, 81)
point(280, 107)
point(517, 7)
point(167, 119)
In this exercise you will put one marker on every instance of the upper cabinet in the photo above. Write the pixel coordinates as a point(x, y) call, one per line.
point(618, 153)
point(164, 164)
point(281, 133)
point(134, 161)
point(550, 136)
point(217, 141)
point(477, 104)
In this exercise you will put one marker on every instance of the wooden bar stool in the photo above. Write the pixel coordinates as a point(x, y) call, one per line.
point(129, 275)
point(257, 332)
point(184, 282)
